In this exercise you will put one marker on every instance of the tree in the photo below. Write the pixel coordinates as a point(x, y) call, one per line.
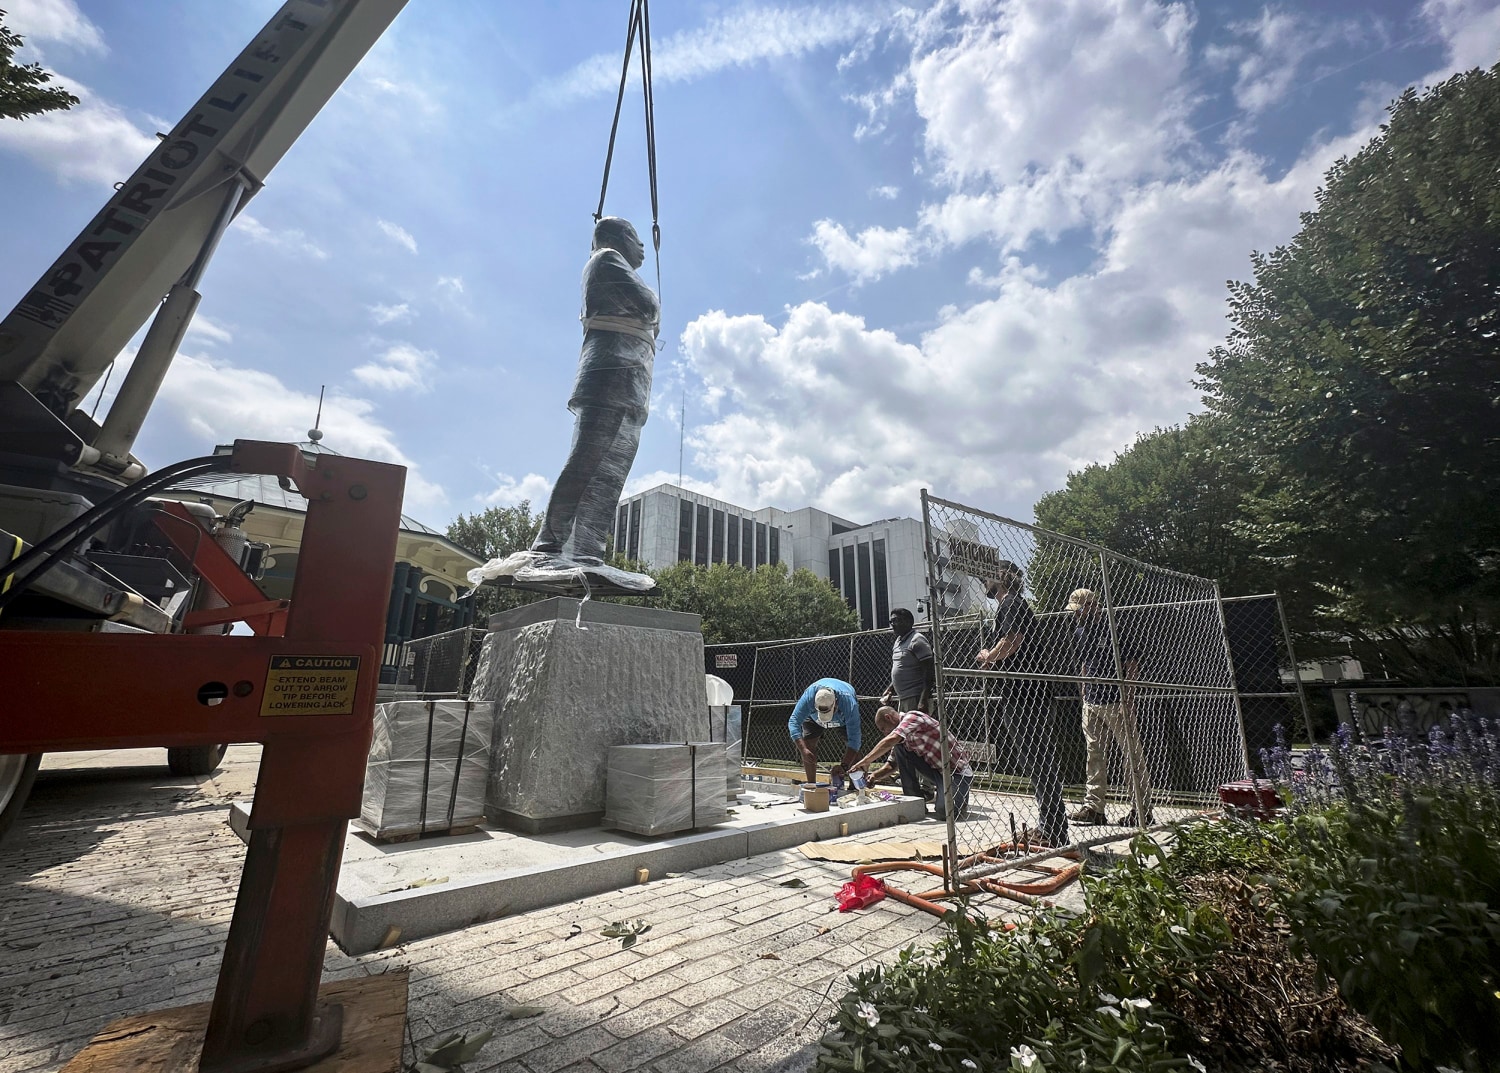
point(23, 89)
point(753, 605)
point(1361, 386)
point(494, 534)
point(1173, 499)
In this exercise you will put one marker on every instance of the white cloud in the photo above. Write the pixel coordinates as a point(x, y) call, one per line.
point(251, 404)
point(1470, 28)
point(888, 193)
point(49, 22)
point(509, 491)
point(208, 331)
point(1271, 52)
point(869, 255)
point(1098, 83)
point(740, 38)
point(401, 367)
point(454, 285)
point(92, 142)
point(288, 240)
point(393, 314)
point(398, 234)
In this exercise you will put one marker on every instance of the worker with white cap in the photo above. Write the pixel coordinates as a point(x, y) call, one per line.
point(826, 704)
point(1107, 705)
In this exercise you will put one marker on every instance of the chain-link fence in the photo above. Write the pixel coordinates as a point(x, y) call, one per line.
point(434, 667)
point(1096, 672)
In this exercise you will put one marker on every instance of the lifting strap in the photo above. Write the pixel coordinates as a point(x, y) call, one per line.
point(639, 26)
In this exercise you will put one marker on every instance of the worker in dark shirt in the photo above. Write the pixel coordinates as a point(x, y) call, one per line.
point(610, 397)
point(1025, 705)
point(913, 671)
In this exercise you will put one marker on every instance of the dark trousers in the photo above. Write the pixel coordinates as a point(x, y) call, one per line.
point(915, 702)
point(914, 770)
point(587, 492)
point(1024, 710)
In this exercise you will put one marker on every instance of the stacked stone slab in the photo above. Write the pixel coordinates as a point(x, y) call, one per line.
point(566, 687)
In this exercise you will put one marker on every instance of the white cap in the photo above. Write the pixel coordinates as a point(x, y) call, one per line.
point(825, 701)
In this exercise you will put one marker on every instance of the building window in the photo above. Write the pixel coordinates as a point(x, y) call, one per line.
point(851, 597)
point(622, 519)
point(760, 543)
point(684, 530)
point(701, 547)
point(733, 554)
point(866, 607)
point(833, 568)
point(747, 542)
point(882, 586)
point(635, 528)
point(775, 545)
point(718, 548)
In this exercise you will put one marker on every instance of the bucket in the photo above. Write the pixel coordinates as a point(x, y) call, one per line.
point(815, 797)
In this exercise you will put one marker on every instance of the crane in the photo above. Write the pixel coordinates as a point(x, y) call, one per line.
point(113, 603)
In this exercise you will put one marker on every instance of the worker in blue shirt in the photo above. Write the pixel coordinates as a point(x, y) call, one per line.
point(828, 702)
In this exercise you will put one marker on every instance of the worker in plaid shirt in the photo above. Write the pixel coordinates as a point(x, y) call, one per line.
point(913, 740)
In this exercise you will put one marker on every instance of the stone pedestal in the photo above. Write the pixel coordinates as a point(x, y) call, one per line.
point(564, 695)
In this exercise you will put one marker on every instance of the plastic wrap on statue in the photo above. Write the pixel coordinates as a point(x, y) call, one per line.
point(610, 400)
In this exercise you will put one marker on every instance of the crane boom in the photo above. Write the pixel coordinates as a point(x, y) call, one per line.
point(163, 222)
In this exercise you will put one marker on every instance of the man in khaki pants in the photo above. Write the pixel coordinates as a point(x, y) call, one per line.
point(1105, 706)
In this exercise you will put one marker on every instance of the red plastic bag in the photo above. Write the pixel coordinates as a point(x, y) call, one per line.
point(859, 893)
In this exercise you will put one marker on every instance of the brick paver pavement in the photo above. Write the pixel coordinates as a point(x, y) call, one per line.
point(117, 887)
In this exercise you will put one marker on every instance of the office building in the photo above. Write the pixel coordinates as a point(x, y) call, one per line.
point(876, 566)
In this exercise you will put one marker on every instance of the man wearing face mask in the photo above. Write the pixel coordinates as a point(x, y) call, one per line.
point(913, 672)
point(1024, 705)
point(610, 396)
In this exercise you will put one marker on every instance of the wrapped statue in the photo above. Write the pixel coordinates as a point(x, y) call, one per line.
point(611, 396)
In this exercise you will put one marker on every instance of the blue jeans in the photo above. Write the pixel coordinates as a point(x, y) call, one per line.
point(914, 770)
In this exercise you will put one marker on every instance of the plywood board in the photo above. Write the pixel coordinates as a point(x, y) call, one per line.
point(855, 852)
point(170, 1041)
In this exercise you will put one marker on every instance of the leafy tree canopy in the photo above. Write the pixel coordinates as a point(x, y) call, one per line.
point(753, 605)
point(1361, 384)
point(23, 88)
point(493, 534)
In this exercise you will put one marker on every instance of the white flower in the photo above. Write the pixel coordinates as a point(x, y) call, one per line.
point(1042, 940)
point(903, 1049)
point(1199, 1066)
point(1109, 1010)
point(1105, 996)
point(1025, 1055)
point(867, 1013)
point(967, 1064)
point(1138, 1003)
point(935, 1046)
point(1177, 929)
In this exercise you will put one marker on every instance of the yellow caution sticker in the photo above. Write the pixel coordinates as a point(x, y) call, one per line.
point(310, 685)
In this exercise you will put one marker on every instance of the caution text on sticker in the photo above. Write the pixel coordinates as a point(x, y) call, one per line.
point(310, 685)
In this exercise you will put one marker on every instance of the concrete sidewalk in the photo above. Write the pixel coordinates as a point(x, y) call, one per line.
point(117, 887)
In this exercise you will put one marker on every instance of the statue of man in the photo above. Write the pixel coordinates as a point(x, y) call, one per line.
point(611, 396)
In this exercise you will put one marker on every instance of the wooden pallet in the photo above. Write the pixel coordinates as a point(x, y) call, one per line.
point(412, 832)
point(170, 1041)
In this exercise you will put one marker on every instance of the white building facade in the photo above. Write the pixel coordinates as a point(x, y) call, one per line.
point(876, 566)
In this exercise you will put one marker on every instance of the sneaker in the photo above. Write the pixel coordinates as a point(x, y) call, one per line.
point(1090, 815)
point(1129, 820)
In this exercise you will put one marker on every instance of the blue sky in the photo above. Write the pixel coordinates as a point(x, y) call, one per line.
point(967, 245)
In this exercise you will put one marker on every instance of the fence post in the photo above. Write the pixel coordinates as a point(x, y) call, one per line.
point(1142, 808)
point(1234, 685)
point(950, 858)
point(1291, 655)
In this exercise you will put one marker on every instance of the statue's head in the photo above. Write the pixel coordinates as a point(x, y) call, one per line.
point(615, 233)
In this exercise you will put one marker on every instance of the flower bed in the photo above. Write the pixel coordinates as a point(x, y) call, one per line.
point(1356, 933)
